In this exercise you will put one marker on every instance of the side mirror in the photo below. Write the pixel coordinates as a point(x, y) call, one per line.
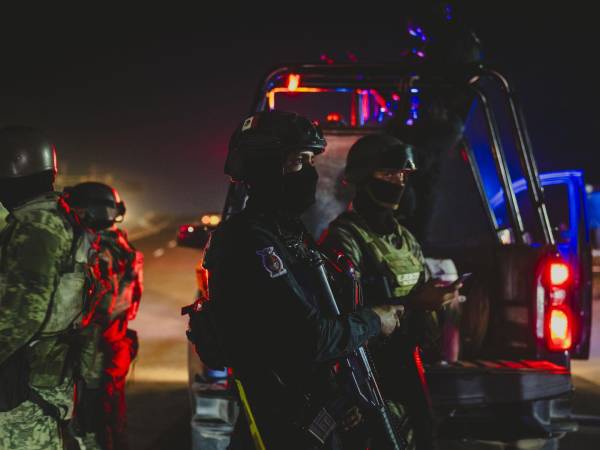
point(192, 236)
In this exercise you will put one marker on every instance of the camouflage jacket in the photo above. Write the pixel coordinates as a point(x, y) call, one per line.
point(127, 260)
point(35, 249)
point(397, 257)
point(126, 263)
point(121, 269)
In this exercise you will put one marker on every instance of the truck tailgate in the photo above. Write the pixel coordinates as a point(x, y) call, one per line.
point(501, 400)
point(484, 382)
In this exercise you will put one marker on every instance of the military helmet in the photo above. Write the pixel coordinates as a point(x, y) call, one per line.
point(270, 136)
point(25, 151)
point(100, 201)
point(377, 151)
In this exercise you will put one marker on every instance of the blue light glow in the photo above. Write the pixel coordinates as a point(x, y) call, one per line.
point(417, 32)
point(547, 179)
point(573, 181)
point(448, 11)
point(413, 113)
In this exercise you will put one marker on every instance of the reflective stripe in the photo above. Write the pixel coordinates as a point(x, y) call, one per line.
point(254, 432)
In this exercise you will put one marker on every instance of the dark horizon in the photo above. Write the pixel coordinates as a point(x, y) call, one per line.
point(156, 104)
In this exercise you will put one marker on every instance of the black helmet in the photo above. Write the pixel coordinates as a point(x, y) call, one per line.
point(270, 136)
point(102, 204)
point(377, 151)
point(25, 151)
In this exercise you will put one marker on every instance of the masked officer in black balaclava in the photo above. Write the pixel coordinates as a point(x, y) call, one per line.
point(392, 267)
point(263, 290)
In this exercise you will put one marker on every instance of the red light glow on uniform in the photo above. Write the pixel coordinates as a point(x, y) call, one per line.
point(293, 82)
point(54, 161)
point(421, 372)
point(561, 333)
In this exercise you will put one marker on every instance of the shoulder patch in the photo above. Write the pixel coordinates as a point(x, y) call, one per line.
point(272, 262)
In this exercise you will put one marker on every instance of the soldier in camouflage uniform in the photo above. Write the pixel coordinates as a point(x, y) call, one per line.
point(392, 269)
point(41, 294)
point(111, 346)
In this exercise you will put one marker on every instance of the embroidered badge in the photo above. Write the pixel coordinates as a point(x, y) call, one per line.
point(272, 262)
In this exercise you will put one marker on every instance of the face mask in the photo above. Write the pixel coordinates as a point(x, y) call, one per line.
point(16, 191)
point(385, 194)
point(299, 189)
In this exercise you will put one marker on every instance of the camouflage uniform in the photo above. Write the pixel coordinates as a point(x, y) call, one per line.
point(111, 346)
point(397, 258)
point(36, 246)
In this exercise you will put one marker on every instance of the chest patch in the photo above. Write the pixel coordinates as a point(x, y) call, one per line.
point(272, 262)
point(408, 279)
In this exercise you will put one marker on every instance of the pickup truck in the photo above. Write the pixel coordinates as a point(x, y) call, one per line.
point(478, 201)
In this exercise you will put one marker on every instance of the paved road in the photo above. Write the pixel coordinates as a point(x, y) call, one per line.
point(157, 389)
point(159, 411)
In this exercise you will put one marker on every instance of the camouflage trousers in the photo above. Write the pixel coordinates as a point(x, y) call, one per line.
point(27, 428)
point(105, 419)
point(88, 442)
point(400, 416)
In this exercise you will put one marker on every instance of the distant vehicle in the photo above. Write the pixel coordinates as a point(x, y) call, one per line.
point(528, 308)
point(195, 235)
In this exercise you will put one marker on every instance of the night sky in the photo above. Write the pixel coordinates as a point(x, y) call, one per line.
point(154, 100)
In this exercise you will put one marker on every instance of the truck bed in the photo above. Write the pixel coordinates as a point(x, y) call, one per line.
point(529, 398)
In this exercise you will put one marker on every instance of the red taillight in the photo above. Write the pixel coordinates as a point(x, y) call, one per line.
point(555, 323)
point(559, 273)
point(293, 82)
point(560, 330)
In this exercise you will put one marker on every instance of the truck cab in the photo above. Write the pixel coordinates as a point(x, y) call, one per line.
point(479, 201)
